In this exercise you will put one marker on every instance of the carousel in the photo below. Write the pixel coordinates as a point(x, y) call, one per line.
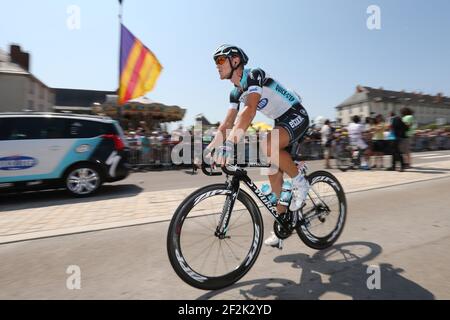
point(140, 112)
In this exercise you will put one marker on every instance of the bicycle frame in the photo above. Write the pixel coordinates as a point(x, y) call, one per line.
point(234, 186)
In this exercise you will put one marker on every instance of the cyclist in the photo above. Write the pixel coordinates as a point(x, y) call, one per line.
point(257, 91)
point(355, 133)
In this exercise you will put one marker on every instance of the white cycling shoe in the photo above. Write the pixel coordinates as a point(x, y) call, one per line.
point(274, 241)
point(299, 193)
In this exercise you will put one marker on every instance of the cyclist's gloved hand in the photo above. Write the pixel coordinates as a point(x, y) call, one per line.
point(224, 154)
point(207, 157)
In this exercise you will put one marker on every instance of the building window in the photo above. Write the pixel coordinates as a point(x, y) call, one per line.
point(350, 111)
point(31, 83)
point(31, 104)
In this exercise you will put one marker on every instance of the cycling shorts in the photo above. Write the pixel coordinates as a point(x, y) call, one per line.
point(296, 122)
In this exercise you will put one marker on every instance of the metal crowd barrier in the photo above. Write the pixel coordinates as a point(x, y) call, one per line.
point(154, 156)
point(158, 156)
point(434, 143)
point(311, 150)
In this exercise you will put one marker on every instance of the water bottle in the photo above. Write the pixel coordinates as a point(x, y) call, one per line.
point(273, 198)
point(267, 191)
point(286, 193)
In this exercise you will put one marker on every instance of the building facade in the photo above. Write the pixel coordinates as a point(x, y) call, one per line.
point(367, 101)
point(20, 90)
point(79, 100)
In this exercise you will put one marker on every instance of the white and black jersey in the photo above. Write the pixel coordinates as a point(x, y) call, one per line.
point(275, 98)
point(277, 102)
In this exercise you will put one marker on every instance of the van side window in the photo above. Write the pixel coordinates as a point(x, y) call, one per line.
point(5, 128)
point(53, 128)
point(28, 128)
point(84, 129)
point(22, 129)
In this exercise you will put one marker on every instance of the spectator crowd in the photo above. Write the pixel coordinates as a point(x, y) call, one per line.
point(397, 136)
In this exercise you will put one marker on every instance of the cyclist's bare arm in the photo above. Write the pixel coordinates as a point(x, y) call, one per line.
point(224, 126)
point(245, 118)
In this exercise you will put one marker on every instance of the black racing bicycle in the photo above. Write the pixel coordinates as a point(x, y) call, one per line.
point(216, 233)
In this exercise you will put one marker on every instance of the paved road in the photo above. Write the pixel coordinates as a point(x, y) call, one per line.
point(167, 180)
point(403, 230)
point(179, 179)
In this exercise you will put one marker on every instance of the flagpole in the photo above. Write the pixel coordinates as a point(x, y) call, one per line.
point(119, 110)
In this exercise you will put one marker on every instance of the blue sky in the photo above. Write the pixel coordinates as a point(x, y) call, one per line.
point(321, 48)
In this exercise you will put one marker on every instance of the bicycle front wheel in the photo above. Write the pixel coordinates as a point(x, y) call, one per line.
point(198, 255)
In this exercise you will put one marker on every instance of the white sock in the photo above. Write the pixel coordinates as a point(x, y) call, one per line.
point(298, 179)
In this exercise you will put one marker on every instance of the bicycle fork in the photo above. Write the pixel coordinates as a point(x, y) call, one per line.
point(227, 209)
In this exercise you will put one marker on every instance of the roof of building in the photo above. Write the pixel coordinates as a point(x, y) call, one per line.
point(79, 97)
point(201, 118)
point(6, 66)
point(365, 94)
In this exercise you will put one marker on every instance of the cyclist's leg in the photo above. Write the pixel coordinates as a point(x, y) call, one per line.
point(276, 182)
point(296, 123)
point(284, 161)
point(291, 127)
point(284, 164)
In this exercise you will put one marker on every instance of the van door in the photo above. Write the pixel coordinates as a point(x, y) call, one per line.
point(31, 148)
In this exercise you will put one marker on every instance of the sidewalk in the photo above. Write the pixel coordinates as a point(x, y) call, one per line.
point(18, 223)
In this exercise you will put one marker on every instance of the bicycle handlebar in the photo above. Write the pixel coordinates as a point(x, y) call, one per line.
point(210, 173)
point(226, 170)
point(217, 173)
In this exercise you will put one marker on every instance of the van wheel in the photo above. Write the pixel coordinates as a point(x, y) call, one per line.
point(83, 180)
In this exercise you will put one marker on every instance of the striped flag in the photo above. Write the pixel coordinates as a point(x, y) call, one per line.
point(139, 67)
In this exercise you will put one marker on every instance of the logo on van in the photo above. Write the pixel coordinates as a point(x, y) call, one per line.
point(17, 163)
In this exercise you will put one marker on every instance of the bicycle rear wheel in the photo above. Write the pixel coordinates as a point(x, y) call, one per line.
point(201, 258)
point(324, 213)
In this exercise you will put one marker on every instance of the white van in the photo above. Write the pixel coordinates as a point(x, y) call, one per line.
point(79, 152)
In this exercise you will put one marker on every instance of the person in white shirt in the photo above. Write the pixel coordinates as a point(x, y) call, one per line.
point(326, 133)
point(355, 133)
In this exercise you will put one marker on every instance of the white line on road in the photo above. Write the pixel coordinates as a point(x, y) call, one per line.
point(425, 155)
point(436, 157)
